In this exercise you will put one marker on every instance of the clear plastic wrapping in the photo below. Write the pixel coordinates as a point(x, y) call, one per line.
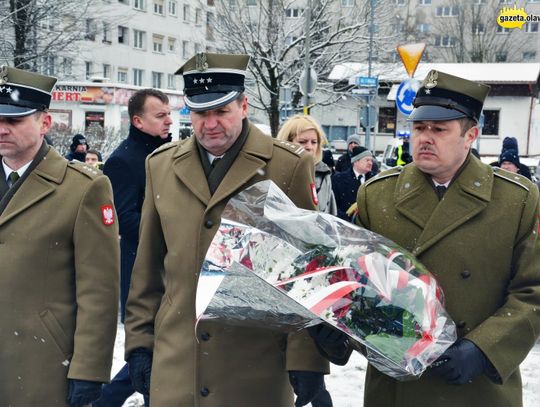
point(277, 266)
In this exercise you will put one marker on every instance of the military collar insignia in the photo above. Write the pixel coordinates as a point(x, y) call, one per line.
point(201, 63)
point(431, 80)
point(3, 74)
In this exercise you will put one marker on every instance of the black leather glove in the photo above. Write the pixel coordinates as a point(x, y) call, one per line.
point(332, 343)
point(323, 399)
point(306, 386)
point(140, 367)
point(461, 362)
point(82, 392)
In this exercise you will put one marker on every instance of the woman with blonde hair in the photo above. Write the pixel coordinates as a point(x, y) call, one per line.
point(306, 132)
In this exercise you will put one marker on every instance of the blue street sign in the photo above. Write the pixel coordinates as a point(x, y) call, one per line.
point(367, 81)
point(184, 111)
point(405, 95)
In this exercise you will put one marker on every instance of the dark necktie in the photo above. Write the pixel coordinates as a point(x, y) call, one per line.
point(12, 178)
point(441, 189)
point(215, 161)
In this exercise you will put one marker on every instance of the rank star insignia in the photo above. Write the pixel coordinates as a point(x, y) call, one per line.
point(195, 81)
point(209, 80)
point(427, 91)
point(3, 74)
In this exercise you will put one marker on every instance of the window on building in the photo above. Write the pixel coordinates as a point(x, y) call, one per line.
point(159, 7)
point(157, 41)
point(106, 32)
point(171, 44)
point(198, 16)
point(171, 81)
point(139, 5)
point(447, 11)
point(423, 28)
point(123, 37)
point(232, 4)
point(185, 49)
point(210, 26)
point(90, 33)
point(67, 66)
point(501, 56)
point(198, 48)
point(48, 64)
point(531, 27)
point(156, 79)
point(491, 122)
point(399, 2)
point(88, 69)
point(529, 56)
point(138, 76)
point(387, 120)
point(173, 7)
point(210, 3)
point(294, 12)
point(123, 1)
point(290, 39)
point(122, 75)
point(107, 71)
point(424, 2)
point(478, 28)
point(138, 39)
point(479, 1)
point(185, 15)
point(251, 2)
point(502, 30)
point(348, 3)
point(444, 41)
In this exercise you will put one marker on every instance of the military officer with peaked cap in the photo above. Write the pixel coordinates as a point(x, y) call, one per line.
point(59, 257)
point(475, 228)
point(210, 364)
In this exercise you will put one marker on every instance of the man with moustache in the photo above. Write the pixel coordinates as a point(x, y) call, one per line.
point(150, 117)
point(475, 228)
point(211, 363)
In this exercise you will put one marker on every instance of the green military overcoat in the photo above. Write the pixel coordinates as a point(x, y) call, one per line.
point(58, 283)
point(481, 243)
point(213, 364)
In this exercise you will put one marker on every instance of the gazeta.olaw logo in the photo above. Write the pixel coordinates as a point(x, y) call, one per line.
point(513, 17)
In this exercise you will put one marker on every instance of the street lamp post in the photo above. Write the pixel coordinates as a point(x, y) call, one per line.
point(307, 44)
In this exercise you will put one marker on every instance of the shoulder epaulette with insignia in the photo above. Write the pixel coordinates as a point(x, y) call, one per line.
point(165, 147)
point(81, 167)
point(291, 147)
point(385, 174)
point(517, 179)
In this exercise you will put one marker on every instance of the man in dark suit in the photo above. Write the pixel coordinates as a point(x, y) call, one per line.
point(345, 184)
point(150, 117)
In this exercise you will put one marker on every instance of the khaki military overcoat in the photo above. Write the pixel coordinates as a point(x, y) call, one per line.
point(481, 243)
point(215, 364)
point(59, 268)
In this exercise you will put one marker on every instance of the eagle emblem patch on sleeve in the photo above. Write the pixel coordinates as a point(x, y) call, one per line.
point(107, 215)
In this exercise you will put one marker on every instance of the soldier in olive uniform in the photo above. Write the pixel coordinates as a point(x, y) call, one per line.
point(188, 185)
point(59, 258)
point(475, 228)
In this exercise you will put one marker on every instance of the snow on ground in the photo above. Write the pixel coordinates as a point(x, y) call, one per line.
point(346, 383)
